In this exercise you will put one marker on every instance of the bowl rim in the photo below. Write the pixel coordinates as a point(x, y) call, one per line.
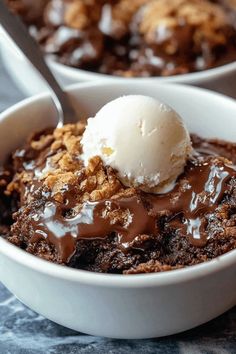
point(176, 276)
point(192, 77)
point(182, 275)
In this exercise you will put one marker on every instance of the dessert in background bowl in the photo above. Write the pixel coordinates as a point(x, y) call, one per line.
point(177, 40)
point(141, 38)
point(64, 186)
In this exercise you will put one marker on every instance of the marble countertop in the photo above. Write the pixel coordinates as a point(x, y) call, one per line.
point(22, 331)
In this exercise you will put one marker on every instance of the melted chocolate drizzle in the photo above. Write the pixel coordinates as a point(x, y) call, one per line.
point(200, 194)
point(91, 223)
point(197, 194)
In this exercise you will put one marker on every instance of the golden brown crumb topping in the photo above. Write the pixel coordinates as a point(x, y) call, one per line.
point(62, 169)
point(208, 20)
point(80, 14)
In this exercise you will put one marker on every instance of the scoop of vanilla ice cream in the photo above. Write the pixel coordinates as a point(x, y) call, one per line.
point(143, 139)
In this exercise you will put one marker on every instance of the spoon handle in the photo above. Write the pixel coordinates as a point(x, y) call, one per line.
point(30, 48)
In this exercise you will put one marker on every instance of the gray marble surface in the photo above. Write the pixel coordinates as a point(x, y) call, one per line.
point(24, 332)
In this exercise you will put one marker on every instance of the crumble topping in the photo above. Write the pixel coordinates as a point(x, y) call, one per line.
point(81, 14)
point(207, 21)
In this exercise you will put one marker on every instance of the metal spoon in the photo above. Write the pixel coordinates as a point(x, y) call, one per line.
point(30, 48)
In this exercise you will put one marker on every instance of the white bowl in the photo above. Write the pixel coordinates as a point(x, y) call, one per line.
point(221, 79)
point(119, 306)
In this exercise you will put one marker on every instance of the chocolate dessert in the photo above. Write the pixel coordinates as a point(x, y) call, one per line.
point(138, 38)
point(59, 209)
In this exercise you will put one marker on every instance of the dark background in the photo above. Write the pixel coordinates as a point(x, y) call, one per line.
point(24, 332)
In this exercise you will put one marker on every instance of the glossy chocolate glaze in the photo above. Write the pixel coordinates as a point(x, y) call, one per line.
point(205, 184)
point(90, 223)
point(197, 194)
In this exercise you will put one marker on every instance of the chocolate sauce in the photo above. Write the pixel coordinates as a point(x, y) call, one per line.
point(91, 223)
point(187, 206)
point(214, 147)
point(199, 195)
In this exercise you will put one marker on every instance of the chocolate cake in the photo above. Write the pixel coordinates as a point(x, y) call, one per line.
point(138, 38)
point(54, 207)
